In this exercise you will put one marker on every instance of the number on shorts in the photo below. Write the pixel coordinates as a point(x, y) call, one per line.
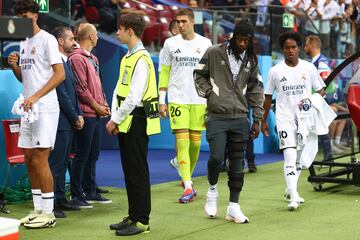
point(175, 112)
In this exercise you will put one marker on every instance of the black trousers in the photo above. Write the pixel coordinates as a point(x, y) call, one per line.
point(133, 153)
point(230, 133)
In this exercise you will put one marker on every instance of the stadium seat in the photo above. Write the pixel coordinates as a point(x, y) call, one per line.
point(91, 13)
point(14, 154)
point(148, 11)
point(167, 14)
point(353, 101)
point(130, 4)
point(148, 2)
point(150, 32)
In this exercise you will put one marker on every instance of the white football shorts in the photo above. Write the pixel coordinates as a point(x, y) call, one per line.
point(39, 134)
point(287, 133)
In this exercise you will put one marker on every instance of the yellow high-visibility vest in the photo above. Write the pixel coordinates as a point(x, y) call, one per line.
point(150, 99)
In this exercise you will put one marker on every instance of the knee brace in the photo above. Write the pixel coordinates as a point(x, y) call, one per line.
point(236, 180)
point(236, 157)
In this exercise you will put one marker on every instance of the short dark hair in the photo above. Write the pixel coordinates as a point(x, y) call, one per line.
point(186, 12)
point(134, 21)
point(59, 32)
point(24, 6)
point(289, 35)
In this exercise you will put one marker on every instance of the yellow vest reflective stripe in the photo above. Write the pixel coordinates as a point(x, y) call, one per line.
point(150, 99)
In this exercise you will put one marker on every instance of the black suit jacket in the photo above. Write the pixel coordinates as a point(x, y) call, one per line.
point(68, 101)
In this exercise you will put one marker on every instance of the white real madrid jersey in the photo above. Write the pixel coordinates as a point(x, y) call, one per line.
point(292, 84)
point(182, 56)
point(37, 55)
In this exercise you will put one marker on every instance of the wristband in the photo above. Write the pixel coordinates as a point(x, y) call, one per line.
point(162, 96)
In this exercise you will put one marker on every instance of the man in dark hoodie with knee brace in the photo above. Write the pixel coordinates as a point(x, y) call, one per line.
point(228, 77)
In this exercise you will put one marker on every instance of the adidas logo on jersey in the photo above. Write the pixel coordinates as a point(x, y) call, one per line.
point(177, 51)
point(283, 79)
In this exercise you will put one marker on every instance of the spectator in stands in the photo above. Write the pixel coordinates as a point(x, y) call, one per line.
point(135, 116)
point(330, 9)
point(228, 77)
point(342, 28)
point(202, 3)
point(193, 4)
point(70, 119)
point(40, 70)
point(187, 109)
point(94, 106)
point(313, 49)
point(314, 13)
point(295, 7)
point(109, 14)
point(248, 6)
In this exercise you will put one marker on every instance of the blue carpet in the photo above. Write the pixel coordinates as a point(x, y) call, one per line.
point(109, 171)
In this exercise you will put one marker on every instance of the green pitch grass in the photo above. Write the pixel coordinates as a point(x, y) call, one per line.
point(331, 214)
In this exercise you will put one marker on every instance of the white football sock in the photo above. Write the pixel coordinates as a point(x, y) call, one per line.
point(36, 195)
point(213, 188)
point(290, 173)
point(48, 202)
point(337, 140)
point(188, 184)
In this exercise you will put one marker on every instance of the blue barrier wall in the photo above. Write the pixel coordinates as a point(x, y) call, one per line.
point(10, 89)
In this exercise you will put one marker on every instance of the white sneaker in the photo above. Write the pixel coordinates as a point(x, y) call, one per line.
point(287, 197)
point(234, 214)
point(211, 203)
point(42, 221)
point(174, 164)
point(33, 214)
point(293, 205)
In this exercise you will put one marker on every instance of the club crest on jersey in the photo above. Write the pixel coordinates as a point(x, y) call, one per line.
point(198, 50)
point(222, 62)
point(33, 50)
point(303, 76)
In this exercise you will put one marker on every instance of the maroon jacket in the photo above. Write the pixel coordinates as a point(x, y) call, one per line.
point(88, 83)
